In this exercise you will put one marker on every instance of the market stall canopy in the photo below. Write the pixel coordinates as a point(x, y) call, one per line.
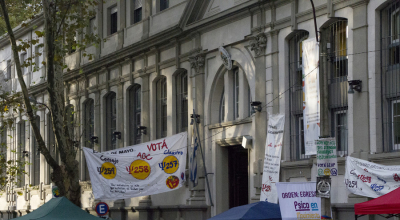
point(386, 204)
point(253, 211)
point(58, 209)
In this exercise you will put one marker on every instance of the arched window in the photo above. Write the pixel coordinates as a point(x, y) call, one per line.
point(161, 111)
point(334, 36)
point(390, 83)
point(296, 95)
point(21, 153)
point(36, 156)
point(182, 101)
point(88, 121)
point(135, 110)
point(111, 121)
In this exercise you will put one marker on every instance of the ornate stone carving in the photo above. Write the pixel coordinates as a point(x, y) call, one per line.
point(258, 43)
point(197, 61)
point(226, 58)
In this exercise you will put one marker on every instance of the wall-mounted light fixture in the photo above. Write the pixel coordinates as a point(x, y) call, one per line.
point(94, 139)
point(142, 129)
point(354, 85)
point(25, 153)
point(117, 134)
point(197, 119)
point(256, 106)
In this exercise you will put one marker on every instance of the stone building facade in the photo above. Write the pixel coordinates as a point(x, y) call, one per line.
point(161, 60)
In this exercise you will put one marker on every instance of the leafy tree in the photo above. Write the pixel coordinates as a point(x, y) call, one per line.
point(64, 32)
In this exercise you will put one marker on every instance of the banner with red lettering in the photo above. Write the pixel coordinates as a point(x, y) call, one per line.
point(298, 201)
point(272, 158)
point(144, 169)
point(369, 179)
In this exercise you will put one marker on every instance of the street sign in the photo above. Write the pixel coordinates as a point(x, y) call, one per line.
point(324, 186)
point(102, 208)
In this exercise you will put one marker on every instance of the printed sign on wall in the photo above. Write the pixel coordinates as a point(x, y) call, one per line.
point(299, 201)
point(144, 169)
point(311, 105)
point(369, 179)
point(326, 157)
point(272, 159)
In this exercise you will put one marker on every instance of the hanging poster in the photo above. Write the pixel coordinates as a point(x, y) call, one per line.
point(369, 179)
point(272, 159)
point(144, 169)
point(326, 157)
point(298, 201)
point(311, 105)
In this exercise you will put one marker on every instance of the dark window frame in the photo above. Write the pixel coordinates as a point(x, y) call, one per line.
point(182, 101)
point(111, 121)
point(161, 107)
point(135, 114)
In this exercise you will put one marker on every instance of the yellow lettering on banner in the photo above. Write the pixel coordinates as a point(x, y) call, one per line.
point(140, 169)
point(108, 170)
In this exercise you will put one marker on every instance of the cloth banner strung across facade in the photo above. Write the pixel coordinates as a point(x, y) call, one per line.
point(298, 201)
point(311, 105)
point(369, 179)
point(272, 159)
point(144, 169)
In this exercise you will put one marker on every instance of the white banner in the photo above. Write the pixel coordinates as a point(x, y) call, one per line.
point(298, 201)
point(370, 179)
point(272, 159)
point(326, 157)
point(144, 169)
point(311, 105)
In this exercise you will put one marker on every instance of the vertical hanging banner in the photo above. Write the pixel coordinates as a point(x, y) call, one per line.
point(311, 105)
point(298, 201)
point(272, 159)
point(193, 160)
point(144, 169)
point(326, 157)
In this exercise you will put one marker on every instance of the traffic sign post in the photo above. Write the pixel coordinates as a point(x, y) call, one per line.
point(102, 208)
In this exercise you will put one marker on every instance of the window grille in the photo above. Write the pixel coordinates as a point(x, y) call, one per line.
point(164, 4)
point(137, 11)
point(135, 95)
point(89, 130)
point(21, 156)
point(334, 42)
point(236, 93)
point(36, 156)
point(296, 95)
point(111, 121)
point(222, 108)
point(113, 20)
point(390, 77)
point(182, 102)
point(161, 107)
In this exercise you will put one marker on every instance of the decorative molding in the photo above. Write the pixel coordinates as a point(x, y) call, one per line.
point(258, 44)
point(226, 58)
point(197, 61)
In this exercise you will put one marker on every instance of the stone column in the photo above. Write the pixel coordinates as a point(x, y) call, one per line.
point(258, 44)
point(359, 101)
point(99, 20)
point(197, 61)
point(146, 8)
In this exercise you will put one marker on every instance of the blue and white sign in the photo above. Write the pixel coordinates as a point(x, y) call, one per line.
point(102, 208)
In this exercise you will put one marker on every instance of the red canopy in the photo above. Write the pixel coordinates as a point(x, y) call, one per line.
point(386, 204)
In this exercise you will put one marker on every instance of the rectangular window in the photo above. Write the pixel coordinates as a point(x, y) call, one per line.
point(300, 135)
point(394, 32)
point(162, 115)
point(236, 92)
point(36, 157)
point(24, 56)
point(9, 67)
point(113, 20)
point(396, 124)
point(182, 102)
point(92, 26)
point(21, 154)
point(164, 4)
point(341, 133)
point(111, 121)
point(38, 57)
point(137, 10)
point(135, 114)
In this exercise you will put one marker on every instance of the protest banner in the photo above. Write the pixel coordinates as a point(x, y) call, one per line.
point(298, 201)
point(144, 169)
point(369, 179)
point(272, 159)
point(311, 105)
point(326, 157)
